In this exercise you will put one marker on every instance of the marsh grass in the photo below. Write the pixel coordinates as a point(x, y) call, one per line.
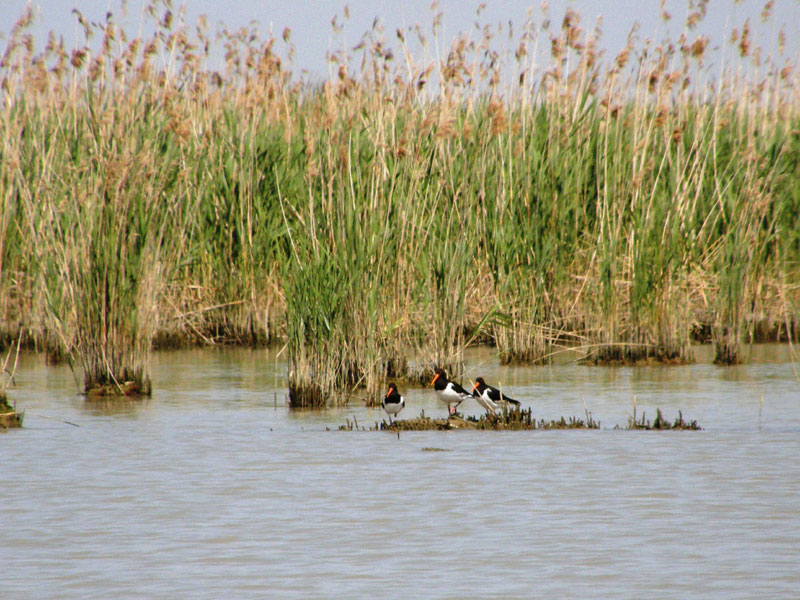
point(521, 189)
point(517, 420)
point(659, 423)
point(521, 419)
point(509, 420)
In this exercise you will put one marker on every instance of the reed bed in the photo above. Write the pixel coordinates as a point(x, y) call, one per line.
point(522, 190)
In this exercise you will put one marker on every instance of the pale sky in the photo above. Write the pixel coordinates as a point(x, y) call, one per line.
point(310, 21)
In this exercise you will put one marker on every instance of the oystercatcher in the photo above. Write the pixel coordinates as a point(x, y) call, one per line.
point(449, 391)
point(489, 397)
point(393, 402)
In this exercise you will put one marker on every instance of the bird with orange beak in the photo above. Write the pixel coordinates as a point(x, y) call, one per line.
point(489, 397)
point(393, 402)
point(449, 391)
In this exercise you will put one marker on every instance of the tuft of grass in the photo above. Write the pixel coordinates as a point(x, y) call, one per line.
point(9, 417)
point(659, 423)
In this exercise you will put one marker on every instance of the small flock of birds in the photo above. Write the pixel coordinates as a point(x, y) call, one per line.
point(452, 395)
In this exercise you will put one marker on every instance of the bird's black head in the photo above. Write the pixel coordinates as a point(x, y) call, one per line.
point(438, 374)
point(479, 383)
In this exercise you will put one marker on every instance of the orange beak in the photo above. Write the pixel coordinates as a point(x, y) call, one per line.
point(435, 377)
point(474, 386)
point(389, 391)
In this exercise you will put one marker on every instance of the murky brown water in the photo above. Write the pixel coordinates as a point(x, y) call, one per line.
point(211, 488)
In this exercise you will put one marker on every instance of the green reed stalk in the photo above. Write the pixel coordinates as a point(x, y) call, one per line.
point(102, 255)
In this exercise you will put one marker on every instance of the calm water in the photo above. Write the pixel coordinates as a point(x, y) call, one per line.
point(212, 489)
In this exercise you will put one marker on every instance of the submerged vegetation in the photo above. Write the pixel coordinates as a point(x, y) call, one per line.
point(528, 198)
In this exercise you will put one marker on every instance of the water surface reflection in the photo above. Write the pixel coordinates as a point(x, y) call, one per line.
point(213, 488)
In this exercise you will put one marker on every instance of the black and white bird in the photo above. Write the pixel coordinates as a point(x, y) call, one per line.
point(393, 402)
point(449, 391)
point(490, 398)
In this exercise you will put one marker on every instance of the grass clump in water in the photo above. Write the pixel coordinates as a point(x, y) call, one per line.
point(511, 420)
point(520, 420)
point(8, 416)
point(660, 423)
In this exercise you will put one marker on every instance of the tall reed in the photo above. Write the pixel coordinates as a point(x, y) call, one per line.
point(521, 189)
point(102, 200)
